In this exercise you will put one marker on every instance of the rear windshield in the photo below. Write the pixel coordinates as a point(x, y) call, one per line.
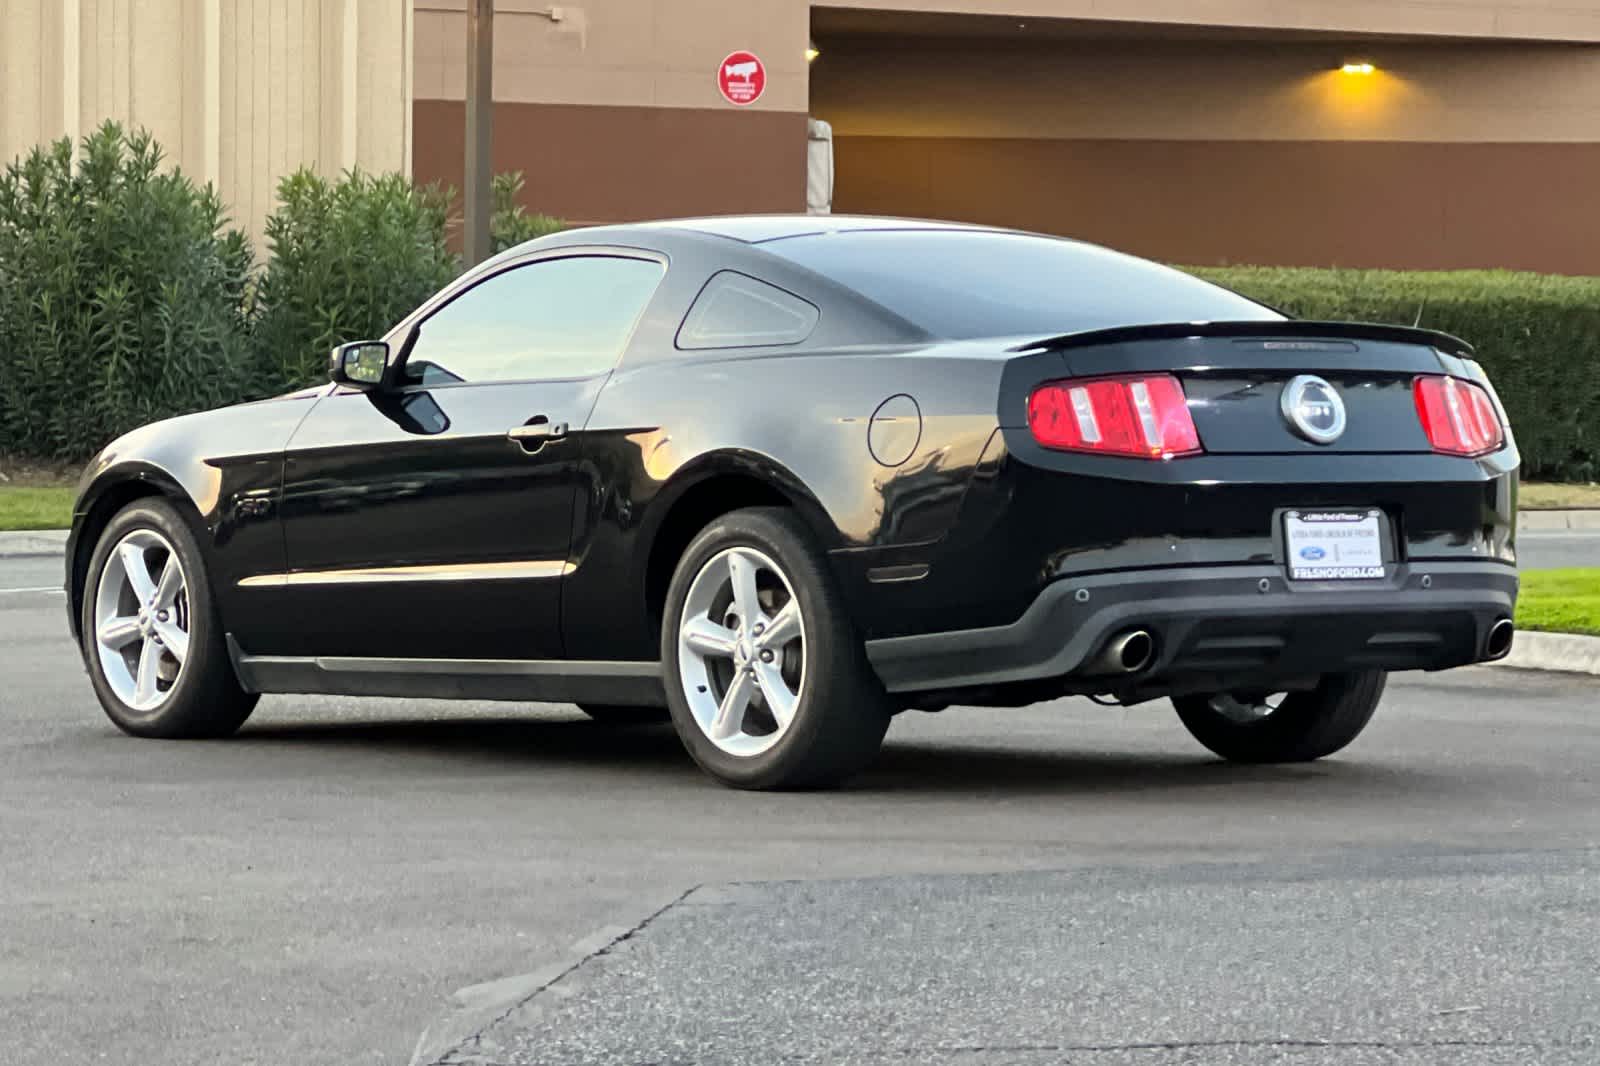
point(963, 284)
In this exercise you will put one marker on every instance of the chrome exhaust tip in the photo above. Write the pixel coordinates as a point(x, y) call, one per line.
point(1127, 653)
point(1498, 646)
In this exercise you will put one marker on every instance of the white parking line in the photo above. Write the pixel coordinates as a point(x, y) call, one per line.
point(46, 588)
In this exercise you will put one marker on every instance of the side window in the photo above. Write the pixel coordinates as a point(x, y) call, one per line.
point(558, 318)
point(737, 311)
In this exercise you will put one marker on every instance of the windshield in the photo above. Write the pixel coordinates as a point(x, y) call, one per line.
point(975, 283)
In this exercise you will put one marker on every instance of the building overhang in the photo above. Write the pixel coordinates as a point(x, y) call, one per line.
point(1512, 20)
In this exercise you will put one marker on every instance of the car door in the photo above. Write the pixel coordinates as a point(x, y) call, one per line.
point(432, 519)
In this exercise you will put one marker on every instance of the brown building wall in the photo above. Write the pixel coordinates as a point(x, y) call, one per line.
point(1217, 151)
point(1251, 88)
point(1196, 130)
point(605, 164)
point(613, 111)
point(1429, 206)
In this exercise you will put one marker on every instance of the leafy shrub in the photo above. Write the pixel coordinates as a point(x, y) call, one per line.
point(509, 224)
point(124, 298)
point(350, 258)
point(1537, 335)
point(120, 296)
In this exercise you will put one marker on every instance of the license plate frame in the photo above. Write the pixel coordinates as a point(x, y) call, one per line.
point(1335, 545)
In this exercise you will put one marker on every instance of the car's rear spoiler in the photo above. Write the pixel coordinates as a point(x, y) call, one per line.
point(1289, 329)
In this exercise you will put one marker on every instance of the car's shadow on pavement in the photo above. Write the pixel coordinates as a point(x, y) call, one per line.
point(904, 767)
point(490, 741)
point(977, 771)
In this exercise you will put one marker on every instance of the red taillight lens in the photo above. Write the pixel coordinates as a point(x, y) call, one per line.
point(1458, 416)
point(1146, 417)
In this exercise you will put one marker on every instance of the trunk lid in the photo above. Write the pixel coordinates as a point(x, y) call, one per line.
point(1235, 376)
point(1085, 512)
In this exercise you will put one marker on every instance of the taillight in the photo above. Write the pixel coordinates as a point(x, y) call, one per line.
point(1146, 417)
point(1458, 416)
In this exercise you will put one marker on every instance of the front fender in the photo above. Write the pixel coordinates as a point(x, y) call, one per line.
point(105, 488)
point(222, 470)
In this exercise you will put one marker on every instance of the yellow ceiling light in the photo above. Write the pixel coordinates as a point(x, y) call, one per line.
point(1360, 67)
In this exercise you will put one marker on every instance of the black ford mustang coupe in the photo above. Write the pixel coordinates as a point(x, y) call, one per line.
point(784, 477)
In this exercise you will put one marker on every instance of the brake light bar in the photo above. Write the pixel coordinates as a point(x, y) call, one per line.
point(1144, 416)
point(1457, 415)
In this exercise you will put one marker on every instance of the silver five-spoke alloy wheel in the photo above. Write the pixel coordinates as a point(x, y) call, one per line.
point(741, 651)
point(141, 620)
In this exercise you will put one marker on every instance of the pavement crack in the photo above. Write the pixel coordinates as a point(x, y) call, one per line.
point(464, 1052)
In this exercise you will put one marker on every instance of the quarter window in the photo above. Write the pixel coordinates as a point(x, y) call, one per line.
point(737, 311)
point(558, 318)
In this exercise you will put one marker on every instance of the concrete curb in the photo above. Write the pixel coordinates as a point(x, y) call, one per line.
point(1559, 521)
point(33, 543)
point(1566, 653)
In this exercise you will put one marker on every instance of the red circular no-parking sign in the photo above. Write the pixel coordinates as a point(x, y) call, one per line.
point(742, 78)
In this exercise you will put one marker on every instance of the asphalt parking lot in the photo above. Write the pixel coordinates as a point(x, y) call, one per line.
point(1061, 883)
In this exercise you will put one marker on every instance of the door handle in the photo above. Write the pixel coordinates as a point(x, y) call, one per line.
point(538, 432)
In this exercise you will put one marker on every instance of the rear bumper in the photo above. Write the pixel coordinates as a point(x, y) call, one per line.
point(1213, 623)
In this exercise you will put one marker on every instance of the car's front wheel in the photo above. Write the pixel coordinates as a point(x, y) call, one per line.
point(154, 648)
point(1258, 727)
point(766, 678)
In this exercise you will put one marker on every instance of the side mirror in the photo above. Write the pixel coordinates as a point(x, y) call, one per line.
point(359, 364)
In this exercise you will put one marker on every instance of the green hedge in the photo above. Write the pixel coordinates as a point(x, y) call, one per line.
point(126, 298)
point(121, 296)
point(348, 259)
point(510, 224)
point(1537, 335)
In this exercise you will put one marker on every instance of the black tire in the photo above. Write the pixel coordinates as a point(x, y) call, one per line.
point(842, 712)
point(619, 714)
point(1306, 725)
point(205, 699)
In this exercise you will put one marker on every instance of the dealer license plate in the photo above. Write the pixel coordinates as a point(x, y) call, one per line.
point(1333, 545)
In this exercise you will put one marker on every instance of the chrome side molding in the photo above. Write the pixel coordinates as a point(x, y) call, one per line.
point(512, 571)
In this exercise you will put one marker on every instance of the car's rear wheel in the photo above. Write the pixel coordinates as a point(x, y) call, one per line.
point(766, 678)
point(155, 650)
point(620, 714)
point(1260, 727)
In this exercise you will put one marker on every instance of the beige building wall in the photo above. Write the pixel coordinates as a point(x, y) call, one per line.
point(612, 112)
point(239, 92)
